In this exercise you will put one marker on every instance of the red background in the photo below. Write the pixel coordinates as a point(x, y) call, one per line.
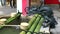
point(24, 5)
point(51, 1)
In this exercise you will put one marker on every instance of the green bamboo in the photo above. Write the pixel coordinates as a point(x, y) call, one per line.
point(32, 20)
point(34, 25)
point(23, 32)
point(39, 26)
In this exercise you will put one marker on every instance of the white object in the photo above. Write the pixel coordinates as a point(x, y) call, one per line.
point(24, 26)
point(19, 5)
point(3, 19)
point(13, 14)
point(0, 3)
point(44, 30)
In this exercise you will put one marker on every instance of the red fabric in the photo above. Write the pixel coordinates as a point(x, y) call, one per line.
point(24, 5)
point(51, 1)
